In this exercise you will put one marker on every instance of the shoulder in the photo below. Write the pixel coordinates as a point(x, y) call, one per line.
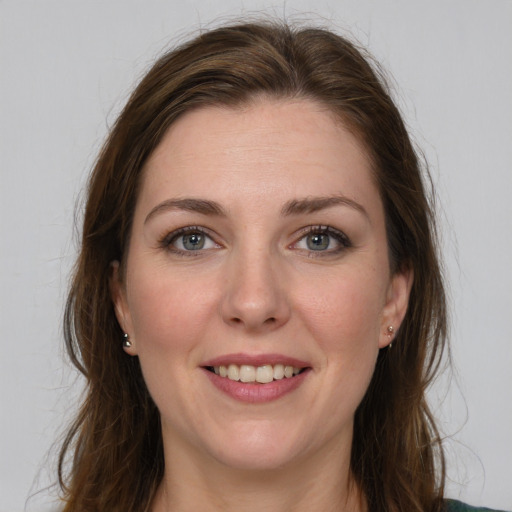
point(457, 506)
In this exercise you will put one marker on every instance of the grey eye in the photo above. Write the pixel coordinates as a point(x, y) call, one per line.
point(188, 240)
point(323, 240)
point(192, 241)
point(318, 241)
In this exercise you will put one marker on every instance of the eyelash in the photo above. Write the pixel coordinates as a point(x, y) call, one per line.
point(341, 238)
point(169, 239)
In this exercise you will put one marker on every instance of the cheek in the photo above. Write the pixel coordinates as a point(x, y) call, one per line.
point(343, 319)
point(170, 315)
point(168, 312)
point(344, 313)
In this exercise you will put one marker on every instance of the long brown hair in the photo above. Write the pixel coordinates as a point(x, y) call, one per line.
point(112, 457)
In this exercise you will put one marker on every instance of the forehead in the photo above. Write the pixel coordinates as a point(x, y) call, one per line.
point(269, 147)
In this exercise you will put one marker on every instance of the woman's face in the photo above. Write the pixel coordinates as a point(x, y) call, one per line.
point(258, 250)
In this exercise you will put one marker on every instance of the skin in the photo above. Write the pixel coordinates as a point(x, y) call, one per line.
point(256, 287)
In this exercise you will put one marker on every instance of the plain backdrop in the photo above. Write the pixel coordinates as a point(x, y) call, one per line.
point(66, 68)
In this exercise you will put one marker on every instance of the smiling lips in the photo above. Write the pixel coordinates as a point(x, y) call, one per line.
point(261, 374)
point(256, 378)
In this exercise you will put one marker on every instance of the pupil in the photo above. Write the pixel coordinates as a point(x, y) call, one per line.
point(193, 242)
point(318, 242)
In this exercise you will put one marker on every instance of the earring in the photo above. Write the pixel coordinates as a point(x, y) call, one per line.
point(390, 331)
point(126, 341)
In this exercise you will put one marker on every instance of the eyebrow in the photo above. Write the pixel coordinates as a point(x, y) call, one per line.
point(293, 207)
point(202, 206)
point(315, 204)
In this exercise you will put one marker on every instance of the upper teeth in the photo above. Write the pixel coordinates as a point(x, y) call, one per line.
point(262, 374)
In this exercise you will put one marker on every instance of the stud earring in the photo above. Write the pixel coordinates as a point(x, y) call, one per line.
point(390, 331)
point(126, 341)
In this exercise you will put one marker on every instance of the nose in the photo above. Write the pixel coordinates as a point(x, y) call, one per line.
point(255, 292)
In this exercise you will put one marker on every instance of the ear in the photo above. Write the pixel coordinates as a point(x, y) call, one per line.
point(397, 300)
point(118, 296)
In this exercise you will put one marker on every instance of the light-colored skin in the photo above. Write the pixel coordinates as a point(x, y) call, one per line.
point(256, 288)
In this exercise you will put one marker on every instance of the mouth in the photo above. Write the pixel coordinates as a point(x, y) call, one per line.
point(258, 378)
point(262, 374)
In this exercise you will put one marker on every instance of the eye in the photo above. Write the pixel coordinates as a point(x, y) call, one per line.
point(188, 239)
point(323, 239)
point(191, 242)
point(318, 241)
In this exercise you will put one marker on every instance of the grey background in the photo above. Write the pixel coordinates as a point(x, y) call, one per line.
point(66, 67)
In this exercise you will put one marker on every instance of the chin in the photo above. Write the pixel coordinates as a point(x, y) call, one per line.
point(253, 448)
point(250, 461)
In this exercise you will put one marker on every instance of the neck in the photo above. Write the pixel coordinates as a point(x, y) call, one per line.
point(320, 483)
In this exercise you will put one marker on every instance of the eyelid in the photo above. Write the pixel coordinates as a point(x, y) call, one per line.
point(166, 241)
point(342, 239)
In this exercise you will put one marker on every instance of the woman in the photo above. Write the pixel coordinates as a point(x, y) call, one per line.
point(257, 306)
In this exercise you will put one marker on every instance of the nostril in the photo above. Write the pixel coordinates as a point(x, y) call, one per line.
point(269, 321)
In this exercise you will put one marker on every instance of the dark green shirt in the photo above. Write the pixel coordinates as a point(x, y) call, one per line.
point(457, 506)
